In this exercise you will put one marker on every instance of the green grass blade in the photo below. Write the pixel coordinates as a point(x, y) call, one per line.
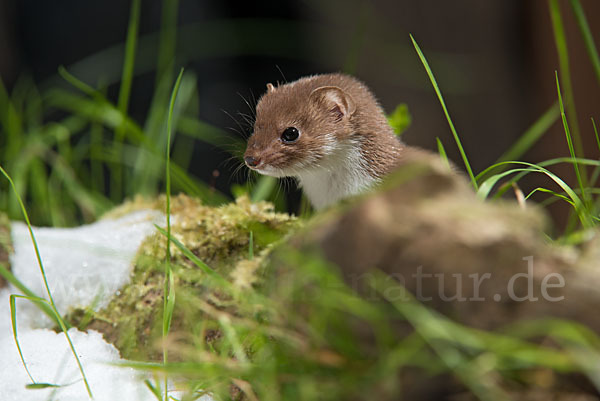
point(64, 329)
point(39, 386)
point(35, 245)
point(545, 163)
point(251, 246)
point(79, 84)
point(440, 333)
point(263, 188)
point(61, 323)
point(10, 277)
point(129, 62)
point(565, 71)
point(569, 142)
point(96, 167)
point(97, 110)
point(502, 165)
point(205, 132)
point(38, 179)
point(148, 174)
point(197, 261)
point(11, 121)
point(596, 172)
point(231, 335)
point(442, 152)
point(486, 187)
point(549, 191)
point(596, 133)
point(107, 114)
point(117, 176)
point(441, 99)
point(168, 158)
point(400, 119)
point(169, 285)
point(167, 41)
point(153, 389)
point(13, 318)
point(588, 38)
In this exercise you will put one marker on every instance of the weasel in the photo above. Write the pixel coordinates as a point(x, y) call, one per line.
point(326, 130)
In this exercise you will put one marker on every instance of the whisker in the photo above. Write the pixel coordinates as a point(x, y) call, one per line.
point(249, 120)
point(252, 109)
point(236, 121)
point(254, 103)
point(281, 72)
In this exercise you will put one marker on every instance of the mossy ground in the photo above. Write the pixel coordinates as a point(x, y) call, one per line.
point(219, 236)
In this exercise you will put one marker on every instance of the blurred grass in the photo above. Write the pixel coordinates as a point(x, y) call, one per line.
point(169, 281)
point(72, 169)
point(586, 34)
point(560, 40)
point(304, 334)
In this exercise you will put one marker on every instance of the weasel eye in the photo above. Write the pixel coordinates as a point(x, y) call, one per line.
point(290, 134)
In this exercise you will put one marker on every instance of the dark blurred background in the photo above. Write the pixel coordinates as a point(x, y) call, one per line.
point(494, 61)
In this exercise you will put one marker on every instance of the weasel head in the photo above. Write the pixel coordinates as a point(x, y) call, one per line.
point(298, 125)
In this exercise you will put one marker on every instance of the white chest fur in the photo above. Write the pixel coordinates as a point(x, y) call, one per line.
point(343, 174)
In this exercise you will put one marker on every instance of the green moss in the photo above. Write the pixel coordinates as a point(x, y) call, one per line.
point(220, 236)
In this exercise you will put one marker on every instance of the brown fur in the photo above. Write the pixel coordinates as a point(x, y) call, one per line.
point(292, 105)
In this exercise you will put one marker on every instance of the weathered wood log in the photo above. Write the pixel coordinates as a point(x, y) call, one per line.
point(484, 264)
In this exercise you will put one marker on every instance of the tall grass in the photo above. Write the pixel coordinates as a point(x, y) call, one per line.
point(584, 206)
point(565, 72)
point(38, 300)
point(450, 123)
point(169, 284)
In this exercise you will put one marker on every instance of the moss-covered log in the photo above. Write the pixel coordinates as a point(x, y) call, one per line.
point(419, 290)
point(220, 237)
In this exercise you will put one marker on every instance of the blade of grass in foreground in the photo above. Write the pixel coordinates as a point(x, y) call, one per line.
point(13, 319)
point(213, 274)
point(263, 188)
point(432, 328)
point(34, 385)
point(61, 322)
point(439, 94)
point(169, 285)
point(4, 272)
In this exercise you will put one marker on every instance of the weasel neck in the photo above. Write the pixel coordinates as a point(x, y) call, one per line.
point(343, 174)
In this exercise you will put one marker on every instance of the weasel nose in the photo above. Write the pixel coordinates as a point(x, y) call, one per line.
point(251, 161)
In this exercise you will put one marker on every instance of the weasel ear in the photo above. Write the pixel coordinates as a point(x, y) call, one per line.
point(335, 100)
point(270, 87)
